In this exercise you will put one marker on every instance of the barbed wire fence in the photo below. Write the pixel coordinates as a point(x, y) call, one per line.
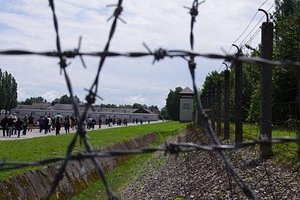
point(159, 54)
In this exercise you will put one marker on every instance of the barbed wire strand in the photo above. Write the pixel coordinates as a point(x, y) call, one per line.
point(250, 32)
point(158, 55)
point(255, 27)
point(252, 19)
point(172, 148)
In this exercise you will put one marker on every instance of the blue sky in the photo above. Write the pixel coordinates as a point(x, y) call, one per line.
point(28, 25)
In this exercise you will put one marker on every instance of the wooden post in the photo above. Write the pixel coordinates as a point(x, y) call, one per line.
point(266, 90)
point(226, 103)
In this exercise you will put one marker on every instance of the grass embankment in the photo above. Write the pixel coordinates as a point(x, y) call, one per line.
point(285, 153)
point(53, 146)
point(121, 176)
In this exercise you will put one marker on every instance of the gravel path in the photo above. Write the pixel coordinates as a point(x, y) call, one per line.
point(202, 175)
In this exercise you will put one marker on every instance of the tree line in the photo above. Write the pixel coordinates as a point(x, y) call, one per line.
point(65, 99)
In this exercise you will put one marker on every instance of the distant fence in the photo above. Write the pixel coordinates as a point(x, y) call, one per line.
point(265, 140)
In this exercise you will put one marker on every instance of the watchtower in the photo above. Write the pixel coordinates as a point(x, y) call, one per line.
point(186, 105)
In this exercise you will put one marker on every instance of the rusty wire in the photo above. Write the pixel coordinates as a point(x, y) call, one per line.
point(159, 54)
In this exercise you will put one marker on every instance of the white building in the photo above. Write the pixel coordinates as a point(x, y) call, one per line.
point(41, 109)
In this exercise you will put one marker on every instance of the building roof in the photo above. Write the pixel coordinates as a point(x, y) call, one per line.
point(187, 90)
point(69, 107)
point(142, 110)
point(62, 106)
point(35, 106)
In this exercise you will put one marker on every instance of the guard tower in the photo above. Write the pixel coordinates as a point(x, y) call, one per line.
point(186, 105)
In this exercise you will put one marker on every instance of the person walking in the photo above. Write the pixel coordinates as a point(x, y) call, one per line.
point(49, 123)
point(19, 126)
point(100, 122)
point(10, 125)
point(57, 126)
point(67, 124)
point(25, 124)
point(4, 122)
point(30, 123)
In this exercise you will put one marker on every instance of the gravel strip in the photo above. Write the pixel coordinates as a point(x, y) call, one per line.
point(202, 175)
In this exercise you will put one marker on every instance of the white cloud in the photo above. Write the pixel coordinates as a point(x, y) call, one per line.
point(29, 25)
point(51, 95)
point(136, 99)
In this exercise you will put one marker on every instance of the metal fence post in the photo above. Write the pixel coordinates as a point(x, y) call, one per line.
point(238, 98)
point(218, 107)
point(212, 107)
point(298, 115)
point(226, 103)
point(266, 89)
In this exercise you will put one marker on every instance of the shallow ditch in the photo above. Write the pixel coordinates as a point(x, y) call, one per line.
point(34, 184)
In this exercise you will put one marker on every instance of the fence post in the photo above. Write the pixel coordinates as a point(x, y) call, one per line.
point(238, 98)
point(298, 115)
point(226, 103)
point(219, 112)
point(266, 89)
point(212, 107)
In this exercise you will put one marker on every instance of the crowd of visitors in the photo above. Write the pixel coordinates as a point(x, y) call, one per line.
point(13, 125)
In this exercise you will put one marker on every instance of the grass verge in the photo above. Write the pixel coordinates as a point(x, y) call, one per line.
point(45, 147)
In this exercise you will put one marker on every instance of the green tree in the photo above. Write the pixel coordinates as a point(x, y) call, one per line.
point(164, 113)
point(8, 91)
point(287, 29)
point(287, 47)
point(65, 99)
point(173, 103)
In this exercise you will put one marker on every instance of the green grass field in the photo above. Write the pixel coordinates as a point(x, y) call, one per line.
point(46, 147)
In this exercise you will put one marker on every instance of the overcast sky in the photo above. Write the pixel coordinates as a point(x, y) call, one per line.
point(28, 25)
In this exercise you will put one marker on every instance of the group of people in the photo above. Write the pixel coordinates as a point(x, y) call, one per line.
point(13, 125)
point(48, 123)
point(112, 122)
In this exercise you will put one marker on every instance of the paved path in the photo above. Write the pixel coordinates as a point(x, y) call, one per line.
point(36, 132)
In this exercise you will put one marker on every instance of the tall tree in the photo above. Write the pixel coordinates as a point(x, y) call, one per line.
point(173, 103)
point(8, 91)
